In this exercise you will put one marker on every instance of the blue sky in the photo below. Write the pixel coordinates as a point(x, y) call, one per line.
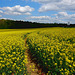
point(46, 11)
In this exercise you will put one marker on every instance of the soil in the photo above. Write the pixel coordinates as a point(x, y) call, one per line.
point(32, 67)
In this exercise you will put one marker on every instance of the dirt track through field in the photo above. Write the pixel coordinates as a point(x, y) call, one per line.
point(32, 66)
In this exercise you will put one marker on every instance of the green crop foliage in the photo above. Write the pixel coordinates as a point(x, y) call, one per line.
point(54, 49)
point(12, 53)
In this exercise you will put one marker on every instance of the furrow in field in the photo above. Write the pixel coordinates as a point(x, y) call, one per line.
point(55, 55)
point(32, 66)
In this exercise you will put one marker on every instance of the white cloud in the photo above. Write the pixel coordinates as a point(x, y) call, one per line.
point(0, 15)
point(40, 17)
point(61, 14)
point(48, 5)
point(45, 1)
point(6, 18)
point(1, 11)
point(44, 19)
point(64, 16)
point(12, 13)
point(17, 10)
point(60, 17)
point(27, 13)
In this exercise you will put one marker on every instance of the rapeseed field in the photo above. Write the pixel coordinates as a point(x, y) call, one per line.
point(54, 49)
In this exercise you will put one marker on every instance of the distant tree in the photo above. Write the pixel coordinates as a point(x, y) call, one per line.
point(11, 24)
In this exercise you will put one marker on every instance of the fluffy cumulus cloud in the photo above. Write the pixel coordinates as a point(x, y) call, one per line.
point(57, 5)
point(1, 11)
point(65, 16)
point(44, 19)
point(0, 15)
point(60, 17)
point(48, 5)
point(17, 10)
point(61, 14)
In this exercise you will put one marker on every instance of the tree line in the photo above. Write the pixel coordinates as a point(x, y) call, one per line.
point(11, 24)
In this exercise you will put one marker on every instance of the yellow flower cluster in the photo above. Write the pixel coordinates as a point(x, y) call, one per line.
point(54, 49)
point(12, 53)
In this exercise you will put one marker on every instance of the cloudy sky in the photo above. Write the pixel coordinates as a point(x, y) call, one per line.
point(46, 11)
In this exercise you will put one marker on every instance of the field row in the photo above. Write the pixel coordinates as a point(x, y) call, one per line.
point(54, 50)
point(12, 51)
point(12, 54)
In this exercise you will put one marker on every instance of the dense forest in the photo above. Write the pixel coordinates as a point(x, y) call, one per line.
point(11, 24)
